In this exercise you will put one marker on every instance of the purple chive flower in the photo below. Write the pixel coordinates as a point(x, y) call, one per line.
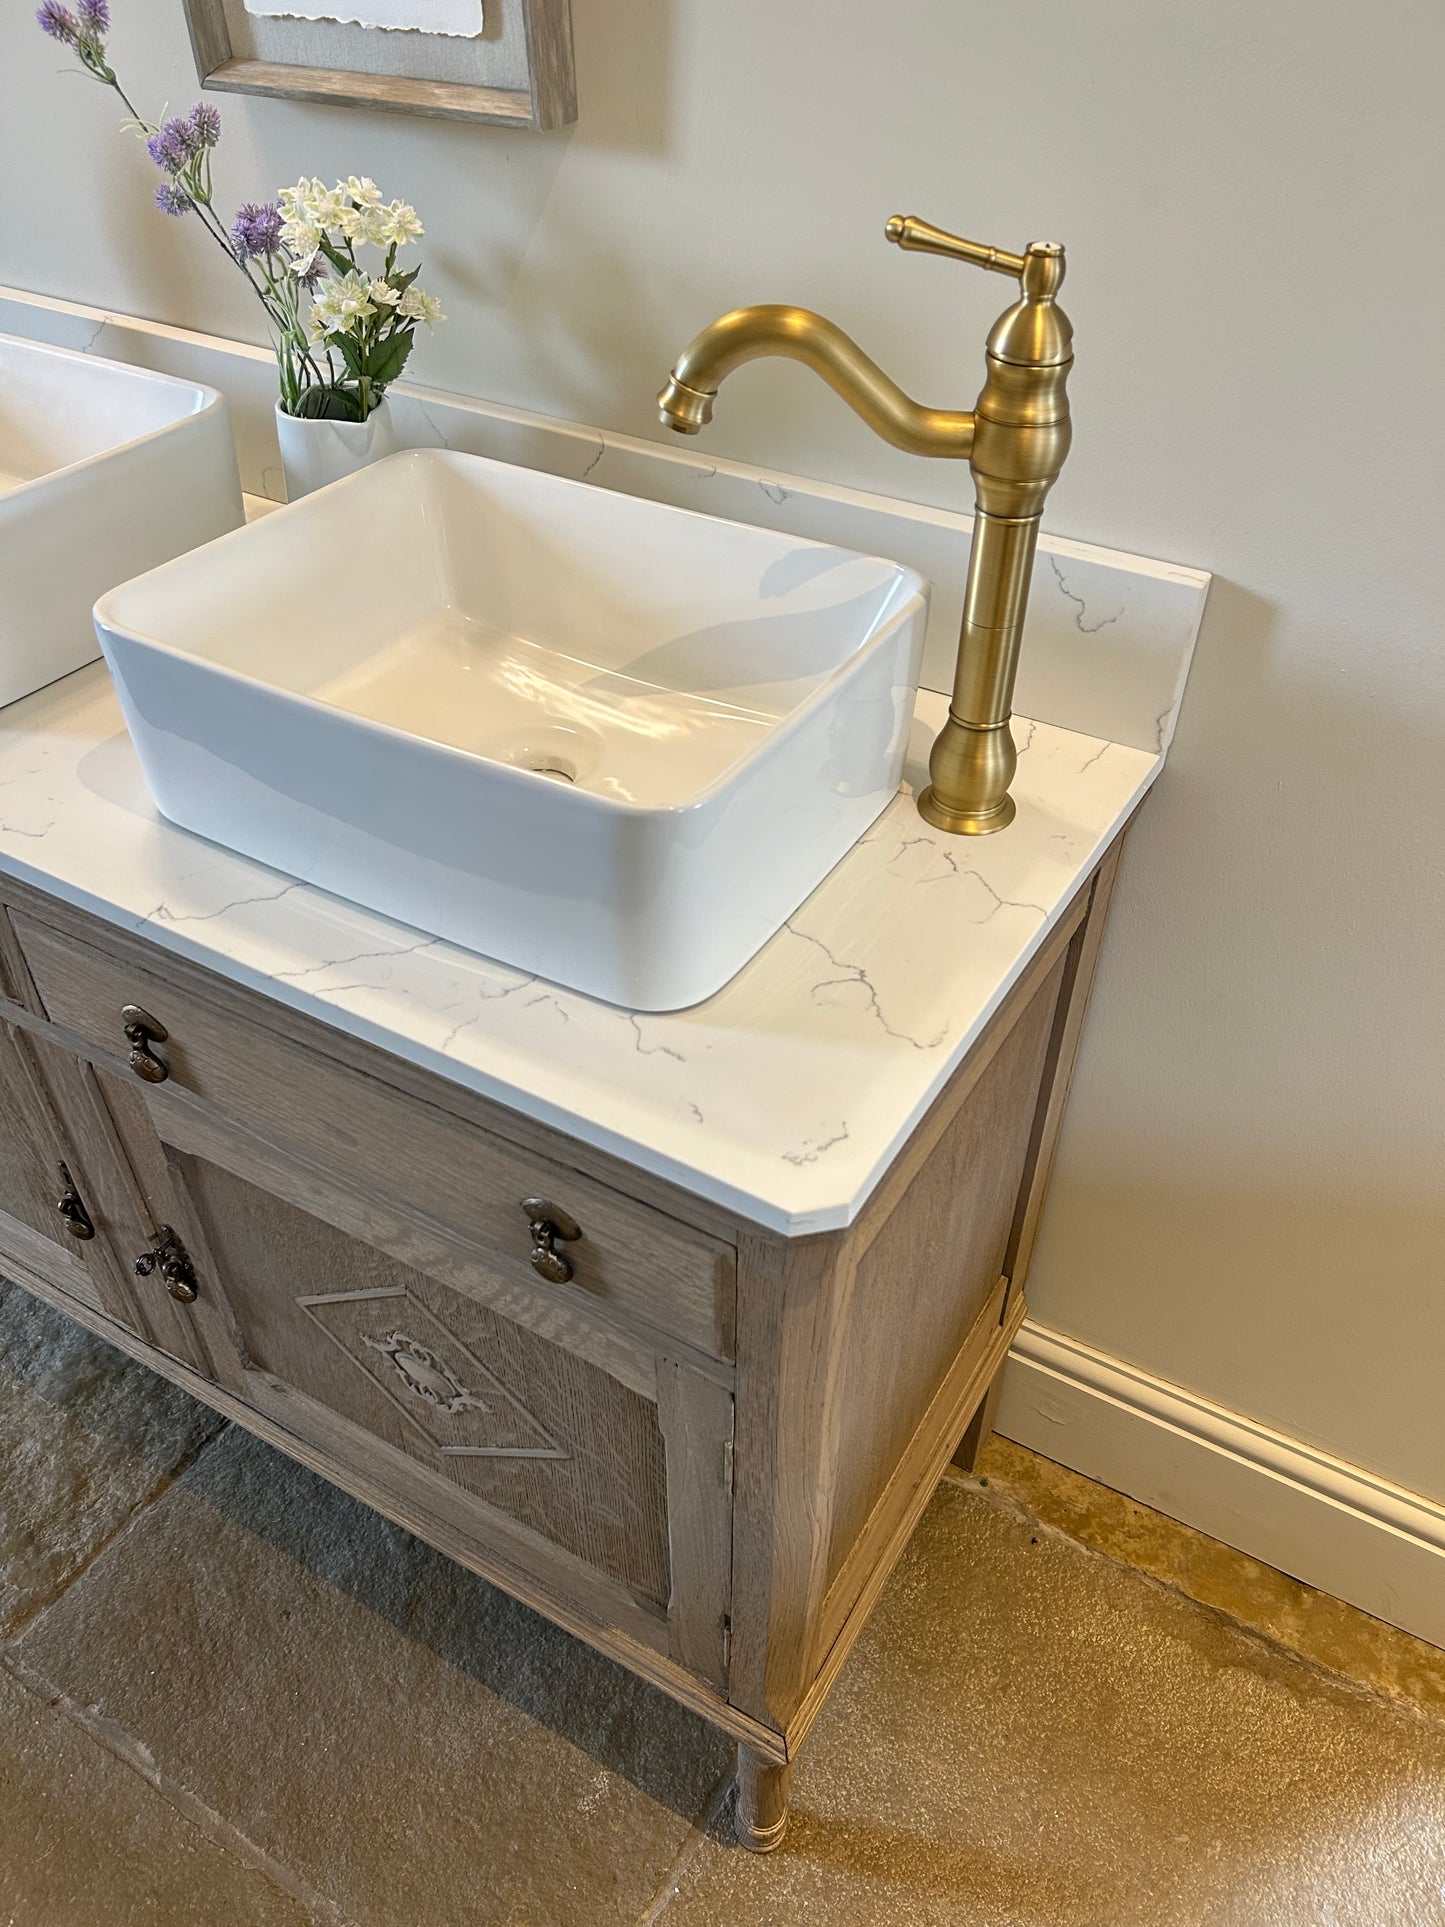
point(95, 17)
point(205, 122)
point(59, 22)
point(170, 200)
point(257, 230)
point(173, 146)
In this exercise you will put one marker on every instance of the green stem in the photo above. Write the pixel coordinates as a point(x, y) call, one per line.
point(207, 214)
point(285, 292)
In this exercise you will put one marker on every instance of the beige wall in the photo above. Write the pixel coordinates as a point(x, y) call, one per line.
point(1249, 1194)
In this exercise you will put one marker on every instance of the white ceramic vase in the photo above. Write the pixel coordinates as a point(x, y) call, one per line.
point(314, 453)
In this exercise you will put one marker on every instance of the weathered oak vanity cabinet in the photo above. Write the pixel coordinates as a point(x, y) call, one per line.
point(697, 1444)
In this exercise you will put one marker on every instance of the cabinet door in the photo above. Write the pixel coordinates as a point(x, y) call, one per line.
point(57, 1186)
point(566, 1459)
point(32, 1175)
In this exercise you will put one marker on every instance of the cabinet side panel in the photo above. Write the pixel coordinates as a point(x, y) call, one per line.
point(931, 1267)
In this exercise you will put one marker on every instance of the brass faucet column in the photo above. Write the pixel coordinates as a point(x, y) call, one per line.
point(1021, 436)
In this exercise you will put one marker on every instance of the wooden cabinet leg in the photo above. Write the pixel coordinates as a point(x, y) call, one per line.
point(970, 1448)
point(760, 1812)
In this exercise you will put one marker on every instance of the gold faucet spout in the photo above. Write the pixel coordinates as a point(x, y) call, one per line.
point(798, 334)
point(1016, 439)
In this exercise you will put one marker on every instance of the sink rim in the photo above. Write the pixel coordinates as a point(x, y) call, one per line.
point(210, 399)
point(910, 591)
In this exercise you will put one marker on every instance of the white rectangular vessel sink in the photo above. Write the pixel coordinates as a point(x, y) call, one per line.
point(104, 471)
point(605, 741)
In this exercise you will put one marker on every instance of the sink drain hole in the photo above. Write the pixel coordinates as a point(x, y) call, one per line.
point(559, 752)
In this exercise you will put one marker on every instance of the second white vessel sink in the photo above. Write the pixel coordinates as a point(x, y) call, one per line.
point(606, 741)
point(105, 470)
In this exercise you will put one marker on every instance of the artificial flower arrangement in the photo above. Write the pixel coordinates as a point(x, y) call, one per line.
point(342, 334)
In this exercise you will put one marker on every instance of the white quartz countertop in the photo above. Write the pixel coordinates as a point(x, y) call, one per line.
point(784, 1097)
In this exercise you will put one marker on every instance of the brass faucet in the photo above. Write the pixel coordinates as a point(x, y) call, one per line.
point(1015, 440)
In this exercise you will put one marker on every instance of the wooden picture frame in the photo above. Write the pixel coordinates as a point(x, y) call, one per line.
point(542, 96)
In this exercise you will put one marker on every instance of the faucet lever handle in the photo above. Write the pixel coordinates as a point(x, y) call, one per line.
point(920, 237)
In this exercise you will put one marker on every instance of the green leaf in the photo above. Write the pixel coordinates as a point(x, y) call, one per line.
point(350, 352)
point(387, 359)
point(328, 404)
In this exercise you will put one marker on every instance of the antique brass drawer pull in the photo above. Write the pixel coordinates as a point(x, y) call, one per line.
point(169, 1257)
point(547, 1223)
point(71, 1207)
point(142, 1030)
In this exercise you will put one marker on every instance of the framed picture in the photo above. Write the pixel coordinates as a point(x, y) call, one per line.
point(507, 62)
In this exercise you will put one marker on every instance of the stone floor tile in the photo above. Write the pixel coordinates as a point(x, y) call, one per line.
point(400, 1735)
point(1316, 1626)
point(86, 1436)
point(84, 1839)
point(1029, 1736)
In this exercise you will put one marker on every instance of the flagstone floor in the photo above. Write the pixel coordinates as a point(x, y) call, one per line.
point(229, 1694)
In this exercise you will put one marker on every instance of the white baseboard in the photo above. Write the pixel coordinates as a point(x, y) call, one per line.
point(1333, 1525)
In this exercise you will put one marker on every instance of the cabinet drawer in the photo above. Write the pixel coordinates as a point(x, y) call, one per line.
point(630, 1257)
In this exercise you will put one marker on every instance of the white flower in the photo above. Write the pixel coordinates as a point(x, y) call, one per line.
point(376, 223)
point(416, 306)
point(351, 222)
point(397, 225)
point(298, 231)
point(384, 293)
point(300, 239)
point(364, 192)
point(354, 292)
point(312, 204)
point(338, 303)
point(299, 203)
point(296, 201)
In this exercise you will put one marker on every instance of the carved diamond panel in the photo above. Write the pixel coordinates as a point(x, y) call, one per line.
point(435, 1382)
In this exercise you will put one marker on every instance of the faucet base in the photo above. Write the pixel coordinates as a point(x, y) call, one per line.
point(972, 766)
point(965, 822)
